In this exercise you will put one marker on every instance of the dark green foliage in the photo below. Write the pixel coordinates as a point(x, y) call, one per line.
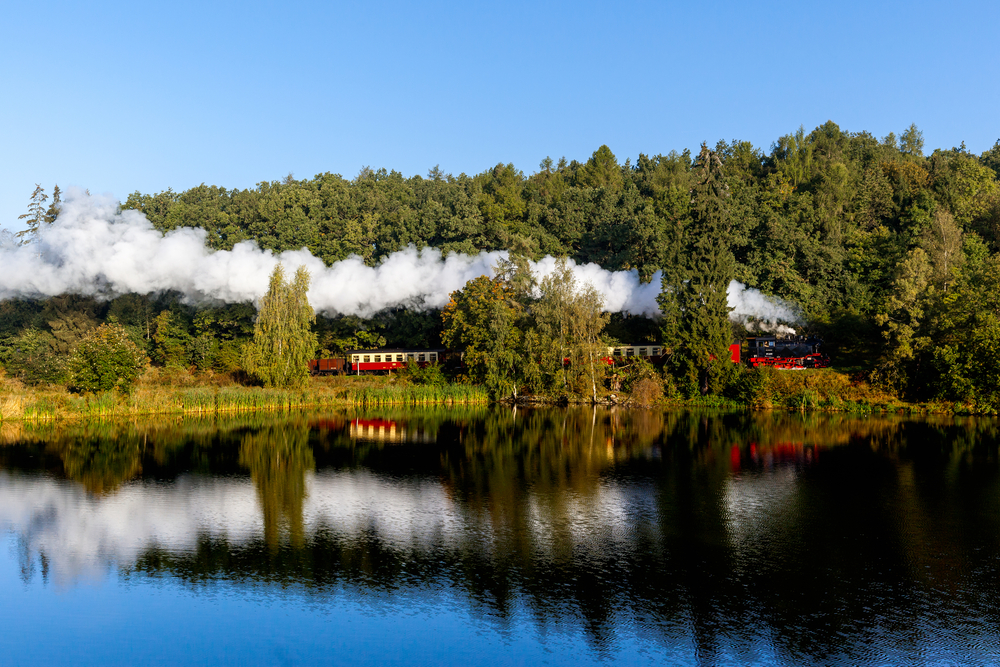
point(829, 219)
point(31, 358)
point(751, 386)
point(106, 359)
point(170, 340)
point(693, 299)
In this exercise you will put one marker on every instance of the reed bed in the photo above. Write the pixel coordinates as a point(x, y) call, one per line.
point(453, 394)
point(20, 403)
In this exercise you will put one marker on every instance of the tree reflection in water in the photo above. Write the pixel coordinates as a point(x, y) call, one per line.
point(278, 458)
point(686, 527)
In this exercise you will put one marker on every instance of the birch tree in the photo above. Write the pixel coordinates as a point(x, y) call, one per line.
point(283, 339)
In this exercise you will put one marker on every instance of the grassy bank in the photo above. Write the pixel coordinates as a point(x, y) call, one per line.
point(182, 393)
point(178, 392)
point(819, 390)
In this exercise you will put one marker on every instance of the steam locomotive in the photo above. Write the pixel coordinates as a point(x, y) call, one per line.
point(796, 352)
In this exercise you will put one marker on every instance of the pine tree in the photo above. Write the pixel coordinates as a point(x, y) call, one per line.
point(283, 339)
point(705, 332)
point(53, 211)
point(694, 301)
point(35, 215)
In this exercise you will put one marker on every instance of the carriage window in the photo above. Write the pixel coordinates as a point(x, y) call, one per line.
point(367, 358)
point(420, 357)
point(378, 358)
point(399, 357)
point(618, 352)
point(629, 351)
point(642, 352)
point(409, 356)
point(433, 356)
point(356, 358)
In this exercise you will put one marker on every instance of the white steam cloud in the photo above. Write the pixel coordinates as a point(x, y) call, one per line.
point(94, 249)
point(759, 312)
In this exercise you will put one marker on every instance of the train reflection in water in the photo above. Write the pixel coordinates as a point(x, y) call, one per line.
point(765, 457)
point(387, 430)
point(375, 429)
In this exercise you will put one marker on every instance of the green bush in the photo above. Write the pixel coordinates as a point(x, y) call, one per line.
point(633, 371)
point(106, 359)
point(752, 386)
point(430, 375)
point(30, 358)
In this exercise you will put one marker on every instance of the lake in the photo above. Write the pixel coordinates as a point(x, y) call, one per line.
point(499, 536)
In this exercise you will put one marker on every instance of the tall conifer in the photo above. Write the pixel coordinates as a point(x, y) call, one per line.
point(694, 301)
point(35, 215)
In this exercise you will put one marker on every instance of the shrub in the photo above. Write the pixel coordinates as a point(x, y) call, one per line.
point(106, 359)
point(633, 371)
point(30, 357)
point(752, 386)
point(647, 391)
point(430, 375)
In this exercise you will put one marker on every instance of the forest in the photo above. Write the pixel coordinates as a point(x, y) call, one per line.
point(891, 251)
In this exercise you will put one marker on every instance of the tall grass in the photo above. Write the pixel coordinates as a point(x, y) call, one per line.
point(170, 395)
point(451, 394)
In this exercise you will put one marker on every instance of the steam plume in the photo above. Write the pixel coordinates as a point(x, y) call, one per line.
point(94, 249)
point(759, 312)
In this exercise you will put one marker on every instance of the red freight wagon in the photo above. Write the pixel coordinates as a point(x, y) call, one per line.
point(333, 366)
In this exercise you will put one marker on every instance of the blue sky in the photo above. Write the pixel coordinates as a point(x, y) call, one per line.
point(125, 96)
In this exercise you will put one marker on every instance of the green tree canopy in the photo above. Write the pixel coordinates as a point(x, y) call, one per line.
point(283, 339)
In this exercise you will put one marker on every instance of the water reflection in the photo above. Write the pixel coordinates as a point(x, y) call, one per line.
point(278, 458)
point(721, 539)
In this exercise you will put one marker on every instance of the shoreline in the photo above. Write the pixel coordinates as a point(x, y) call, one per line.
point(35, 405)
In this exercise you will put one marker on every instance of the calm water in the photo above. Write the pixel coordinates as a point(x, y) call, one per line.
point(492, 537)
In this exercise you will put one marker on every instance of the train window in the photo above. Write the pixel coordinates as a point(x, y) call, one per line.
point(356, 358)
point(433, 356)
point(399, 357)
point(420, 357)
point(367, 358)
point(629, 351)
point(642, 352)
point(618, 352)
point(378, 358)
point(410, 357)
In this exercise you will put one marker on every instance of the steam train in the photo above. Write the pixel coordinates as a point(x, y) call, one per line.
point(797, 352)
point(792, 353)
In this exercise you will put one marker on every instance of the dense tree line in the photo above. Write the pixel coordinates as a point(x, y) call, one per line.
point(891, 252)
point(823, 219)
